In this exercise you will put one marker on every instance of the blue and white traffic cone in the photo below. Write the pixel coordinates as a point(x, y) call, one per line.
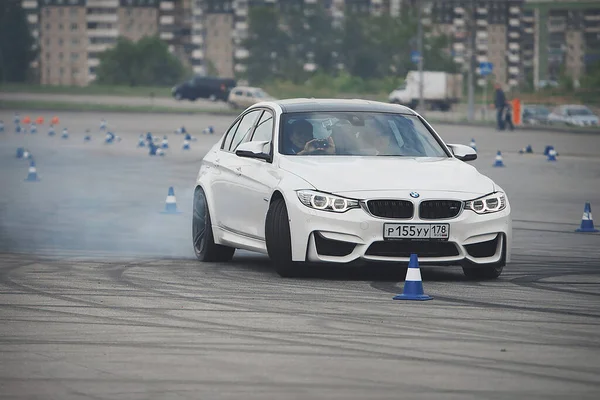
point(552, 154)
point(186, 145)
point(181, 130)
point(87, 136)
point(528, 150)
point(17, 128)
point(1, 126)
point(149, 137)
point(51, 131)
point(413, 285)
point(152, 149)
point(547, 150)
point(473, 144)
point(160, 152)
point(587, 221)
point(499, 162)
point(20, 152)
point(17, 119)
point(171, 203)
point(110, 137)
point(32, 174)
point(102, 124)
point(32, 128)
point(26, 154)
point(141, 141)
point(165, 143)
point(210, 130)
point(65, 134)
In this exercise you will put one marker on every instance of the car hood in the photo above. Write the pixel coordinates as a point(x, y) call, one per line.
point(339, 174)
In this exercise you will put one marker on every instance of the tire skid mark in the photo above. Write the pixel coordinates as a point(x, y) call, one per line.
point(335, 344)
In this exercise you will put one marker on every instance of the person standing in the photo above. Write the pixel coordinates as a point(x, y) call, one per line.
point(499, 103)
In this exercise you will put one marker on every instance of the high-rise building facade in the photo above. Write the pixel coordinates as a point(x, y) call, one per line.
point(560, 38)
point(71, 34)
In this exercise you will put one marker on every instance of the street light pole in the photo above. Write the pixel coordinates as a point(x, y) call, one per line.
point(472, 29)
point(421, 106)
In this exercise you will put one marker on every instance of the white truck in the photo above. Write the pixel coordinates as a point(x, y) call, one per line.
point(440, 90)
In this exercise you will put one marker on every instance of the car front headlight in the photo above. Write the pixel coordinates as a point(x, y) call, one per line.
point(490, 203)
point(326, 201)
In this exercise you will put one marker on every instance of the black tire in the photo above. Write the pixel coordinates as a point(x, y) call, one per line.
point(278, 238)
point(202, 235)
point(489, 271)
point(483, 273)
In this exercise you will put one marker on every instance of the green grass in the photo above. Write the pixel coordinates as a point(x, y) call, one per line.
point(41, 105)
point(87, 90)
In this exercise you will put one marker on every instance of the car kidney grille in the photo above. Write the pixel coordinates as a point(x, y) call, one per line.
point(439, 209)
point(391, 208)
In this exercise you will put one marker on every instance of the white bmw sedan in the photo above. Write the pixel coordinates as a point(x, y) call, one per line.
point(347, 181)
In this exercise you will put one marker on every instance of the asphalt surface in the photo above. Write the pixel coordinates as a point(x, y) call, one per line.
point(101, 297)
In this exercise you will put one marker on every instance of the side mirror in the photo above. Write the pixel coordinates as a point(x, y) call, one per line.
point(462, 152)
point(254, 150)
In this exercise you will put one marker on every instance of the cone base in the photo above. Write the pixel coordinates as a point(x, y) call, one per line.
point(171, 212)
point(498, 165)
point(31, 179)
point(586, 230)
point(420, 297)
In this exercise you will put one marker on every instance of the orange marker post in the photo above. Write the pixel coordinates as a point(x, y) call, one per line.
point(517, 112)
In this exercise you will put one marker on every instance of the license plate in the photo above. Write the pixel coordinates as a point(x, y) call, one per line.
point(416, 231)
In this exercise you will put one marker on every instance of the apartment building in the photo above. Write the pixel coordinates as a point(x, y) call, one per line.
point(560, 37)
point(71, 34)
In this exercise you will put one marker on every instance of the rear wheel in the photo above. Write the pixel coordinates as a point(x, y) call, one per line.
point(278, 238)
point(202, 235)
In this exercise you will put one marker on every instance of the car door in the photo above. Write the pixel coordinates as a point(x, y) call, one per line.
point(256, 180)
point(228, 199)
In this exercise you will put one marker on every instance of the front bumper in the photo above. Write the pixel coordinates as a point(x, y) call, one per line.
point(322, 236)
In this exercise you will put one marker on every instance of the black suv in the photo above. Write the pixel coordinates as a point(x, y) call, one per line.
point(204, 87)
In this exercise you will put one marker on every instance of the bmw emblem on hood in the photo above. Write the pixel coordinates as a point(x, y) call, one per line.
point(414, 195)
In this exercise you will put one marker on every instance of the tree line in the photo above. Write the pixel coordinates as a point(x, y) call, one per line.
point(364, 46)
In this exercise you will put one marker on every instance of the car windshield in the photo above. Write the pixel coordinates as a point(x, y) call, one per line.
point(578, 111)
point(358, 134)
point(260, 93)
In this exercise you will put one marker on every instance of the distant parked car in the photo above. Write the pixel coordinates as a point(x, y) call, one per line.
point(204, 87)
point(572, 114)
point(245, 96)
point(535, 114)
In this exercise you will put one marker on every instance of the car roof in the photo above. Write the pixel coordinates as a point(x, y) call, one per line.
point(246, 88)
point(580, 106)
point(310, 105)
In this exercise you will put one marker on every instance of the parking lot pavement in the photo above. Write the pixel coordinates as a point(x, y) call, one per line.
point(101, 295)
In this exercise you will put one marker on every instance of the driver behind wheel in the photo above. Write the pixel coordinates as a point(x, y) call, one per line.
point(301, 140)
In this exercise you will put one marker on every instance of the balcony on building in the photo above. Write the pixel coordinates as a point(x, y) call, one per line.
point(29, 4)
point(103, 32)
point(103, 3)
point(108, 18)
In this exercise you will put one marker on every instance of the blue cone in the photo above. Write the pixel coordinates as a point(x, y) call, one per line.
point(171, 203)
point(165, 143)
point(499, 162)
point(587, 221)
point(413, 286)
point(20, 151)
point(552, 154)
point(186, 145)
point(18, 129)
point(473, 145)
point(51, 131)
point(153, 148)
point(547, 150)
point(32, 174)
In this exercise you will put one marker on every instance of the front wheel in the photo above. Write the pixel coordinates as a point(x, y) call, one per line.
point(278, 238)
point(202, 235)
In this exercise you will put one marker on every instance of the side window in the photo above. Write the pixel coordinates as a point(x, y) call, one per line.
point(229, 135)
point(243, 132)
point(264, 128)
point(248, 94)
point(238, 93)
